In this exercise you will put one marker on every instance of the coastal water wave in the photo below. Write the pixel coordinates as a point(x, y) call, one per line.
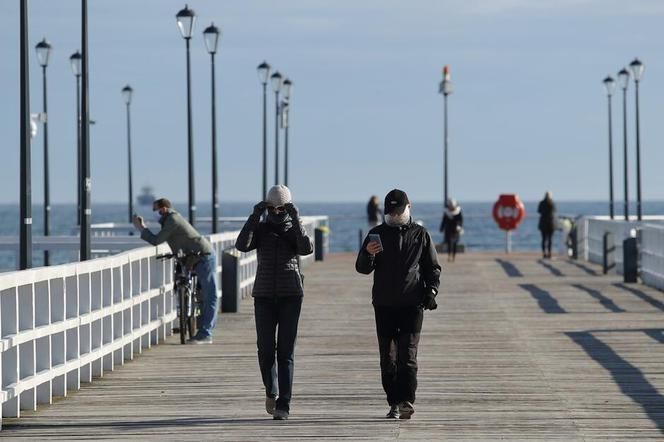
point(347, 222)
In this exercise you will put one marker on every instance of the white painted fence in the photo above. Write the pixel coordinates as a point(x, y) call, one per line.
point(66, 324)
point(590, 236)
point(652, 255)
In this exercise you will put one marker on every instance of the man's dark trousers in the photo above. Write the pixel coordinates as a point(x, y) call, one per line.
point(398, 330)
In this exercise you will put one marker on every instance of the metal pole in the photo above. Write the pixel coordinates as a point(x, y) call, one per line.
point(215, 194)
point(276, 138)
point(286, 154)
point(78, 150)
point(47, 198)
point(610, 160)
point(445, 149)
point(638, 156)
point(129, 166)
point(264, 141)
point(625, 153)
point(86, 182)
point(25, 220)
point(190, 143)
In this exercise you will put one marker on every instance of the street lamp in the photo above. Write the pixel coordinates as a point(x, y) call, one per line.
point(610, 85)
point(86, 179)
point(212, 34)
point(186, 18)
point(445, 88)
point(263, 74)
point(637, 71)
point(276, 87)
point(285, 108)
point(623, 77)
point(127, 93)
point(25, 220)
point(75, 61)
point(43, 49)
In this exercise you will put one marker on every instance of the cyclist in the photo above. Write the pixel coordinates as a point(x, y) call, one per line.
point(180, 235)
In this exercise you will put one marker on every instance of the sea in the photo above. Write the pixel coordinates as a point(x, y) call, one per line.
point(347, 222)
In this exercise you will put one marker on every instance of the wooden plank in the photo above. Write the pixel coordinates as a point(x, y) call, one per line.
point(557, 353)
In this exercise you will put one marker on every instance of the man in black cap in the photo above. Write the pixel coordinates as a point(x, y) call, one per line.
point(406, 280)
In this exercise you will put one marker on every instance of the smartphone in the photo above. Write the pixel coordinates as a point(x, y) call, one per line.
point(376, 238)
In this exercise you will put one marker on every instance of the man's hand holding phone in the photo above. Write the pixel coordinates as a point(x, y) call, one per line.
point(375, 245)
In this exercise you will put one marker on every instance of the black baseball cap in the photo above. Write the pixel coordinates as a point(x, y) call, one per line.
point(396, 201)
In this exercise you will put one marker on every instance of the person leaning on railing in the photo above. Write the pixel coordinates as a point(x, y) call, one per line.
point(277, 292)
point(180, 235)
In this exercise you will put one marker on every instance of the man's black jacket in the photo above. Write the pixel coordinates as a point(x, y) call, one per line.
point(406, 269)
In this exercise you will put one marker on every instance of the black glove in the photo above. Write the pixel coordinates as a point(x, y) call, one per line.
point(429, 301)
point(291, 209)
point(260, 208)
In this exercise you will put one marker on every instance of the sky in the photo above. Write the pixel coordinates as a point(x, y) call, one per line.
point(528, 112)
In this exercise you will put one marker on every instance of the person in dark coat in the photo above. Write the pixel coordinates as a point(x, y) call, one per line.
point(547, 223)
point(405, 283)
point(452, 227)
point(374, 214)
point(277, 292)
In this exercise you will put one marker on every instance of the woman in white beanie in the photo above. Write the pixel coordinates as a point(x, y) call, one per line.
point(277, 292)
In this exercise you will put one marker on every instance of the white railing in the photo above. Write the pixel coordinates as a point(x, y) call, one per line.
point(652, 255)
point(63, 325)
point(66, 324)
point(591, 230)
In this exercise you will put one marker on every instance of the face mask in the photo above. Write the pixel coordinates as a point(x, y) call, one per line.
point(398, 220)
point(156, 215)
point(277, 218)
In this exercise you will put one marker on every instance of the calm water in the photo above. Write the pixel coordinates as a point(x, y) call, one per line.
point(346, 220)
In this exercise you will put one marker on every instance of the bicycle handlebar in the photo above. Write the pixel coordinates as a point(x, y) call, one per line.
point(175, 255)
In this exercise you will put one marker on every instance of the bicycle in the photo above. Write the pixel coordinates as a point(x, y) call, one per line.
point(185, 287)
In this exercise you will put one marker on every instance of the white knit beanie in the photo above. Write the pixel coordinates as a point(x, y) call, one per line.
point(279, 195)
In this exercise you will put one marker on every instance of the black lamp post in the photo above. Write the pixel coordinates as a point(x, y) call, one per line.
point(86, 180)
point(610, 85)
point(127, 92)
point(25, 221)
point(75, 61)
point(212, 34)
point(445, 89)
point(43, 49)
point(276, 87)
point(285, 122)
point(637, 71)
point(623, 77)
point(263, 74)
point(186, 19)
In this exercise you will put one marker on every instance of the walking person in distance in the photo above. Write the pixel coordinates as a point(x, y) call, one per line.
point(452, 227)
point(405, 282)
point(547, 223)
point(374, 214)
point(277, 292)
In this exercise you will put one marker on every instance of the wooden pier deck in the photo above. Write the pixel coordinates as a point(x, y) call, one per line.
point(519, 349)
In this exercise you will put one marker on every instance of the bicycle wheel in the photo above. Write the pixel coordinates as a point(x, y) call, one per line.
point(192, 315)
point(194, 296)
point(183, 299)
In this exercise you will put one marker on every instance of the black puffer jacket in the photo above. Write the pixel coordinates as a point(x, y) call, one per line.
point(278, 272)
point(405, 269)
